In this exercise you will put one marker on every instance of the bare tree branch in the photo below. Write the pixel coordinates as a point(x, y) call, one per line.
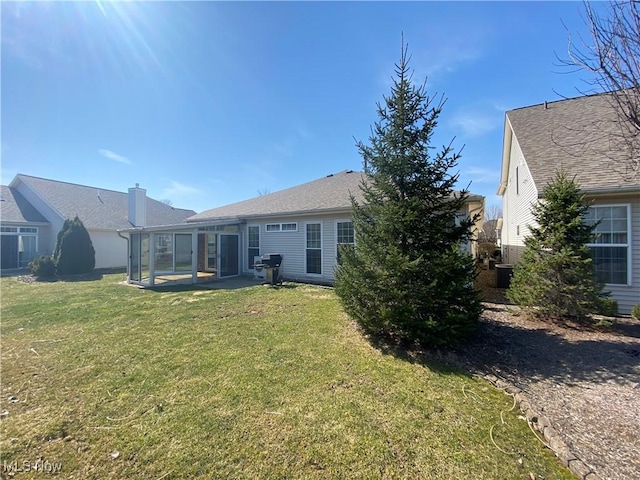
point(612, 59)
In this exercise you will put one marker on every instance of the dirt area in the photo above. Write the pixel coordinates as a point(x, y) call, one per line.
point(584, 381)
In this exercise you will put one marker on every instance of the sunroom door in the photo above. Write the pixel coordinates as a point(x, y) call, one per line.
point(229, 254)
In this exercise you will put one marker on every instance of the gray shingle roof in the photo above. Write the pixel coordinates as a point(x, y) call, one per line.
point(99, 208)
point(581, 135)
point(327, 194)
point(16, 209)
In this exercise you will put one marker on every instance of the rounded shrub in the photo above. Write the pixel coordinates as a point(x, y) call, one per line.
point(43, 267)
point(635, 311)
point(74, 252)
point(607, 306)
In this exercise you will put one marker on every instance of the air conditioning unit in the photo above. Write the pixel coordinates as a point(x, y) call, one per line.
point(259, 272)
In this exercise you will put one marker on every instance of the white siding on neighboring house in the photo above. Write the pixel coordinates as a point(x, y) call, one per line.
point(111, 249)
point(520, 195)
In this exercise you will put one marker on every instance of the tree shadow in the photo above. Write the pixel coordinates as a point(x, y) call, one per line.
point(522, 354)
point(416, 354)
point(537, 352)
point(82, 277)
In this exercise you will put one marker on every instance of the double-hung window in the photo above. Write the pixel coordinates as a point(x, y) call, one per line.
point(611, 246)
point(344, 235)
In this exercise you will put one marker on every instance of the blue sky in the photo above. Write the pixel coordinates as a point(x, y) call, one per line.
point(208, 103)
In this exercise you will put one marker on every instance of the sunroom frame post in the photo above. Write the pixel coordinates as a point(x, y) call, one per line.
point(194, 256)
point(152, 259)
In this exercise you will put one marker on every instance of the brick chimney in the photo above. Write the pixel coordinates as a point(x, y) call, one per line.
point(138, 206)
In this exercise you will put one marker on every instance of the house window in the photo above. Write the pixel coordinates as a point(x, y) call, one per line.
point(610, 249)
point(517, 180)
point(344, 236)
point(253, 244)
point(27, 249)
point(281, 227)
point(19, 246)
point(314, 248)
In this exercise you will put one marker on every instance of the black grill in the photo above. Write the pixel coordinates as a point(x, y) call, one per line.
point(271, 260)
point(271, 263)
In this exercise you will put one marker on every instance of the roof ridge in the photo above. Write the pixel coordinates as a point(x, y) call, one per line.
point(330, 175)
point(71, 183)
point(550, 102)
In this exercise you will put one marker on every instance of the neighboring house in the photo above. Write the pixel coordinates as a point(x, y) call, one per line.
point(33, 210)
point(582, 137)
point(305, 224)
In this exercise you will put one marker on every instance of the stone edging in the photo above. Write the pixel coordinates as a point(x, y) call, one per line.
point(542, 424)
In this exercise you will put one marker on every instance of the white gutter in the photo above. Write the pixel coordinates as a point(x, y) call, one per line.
point(181, 226)
point(506, 155)
point(608, 191)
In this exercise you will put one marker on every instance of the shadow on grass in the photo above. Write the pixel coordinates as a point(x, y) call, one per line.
point(27, 277)
point(82, 277)
point(540, 352)
point(415, 354)
point(236, 283)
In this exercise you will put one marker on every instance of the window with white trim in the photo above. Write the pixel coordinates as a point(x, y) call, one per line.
point(22, 249)
point(314, 248)
point(281, 227)
point(610, 248)
point(345, 235)
point(253, 243)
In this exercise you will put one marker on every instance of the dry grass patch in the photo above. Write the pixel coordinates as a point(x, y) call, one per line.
point(116, 382)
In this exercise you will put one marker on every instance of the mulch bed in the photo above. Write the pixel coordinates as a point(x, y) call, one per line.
point(583, 379)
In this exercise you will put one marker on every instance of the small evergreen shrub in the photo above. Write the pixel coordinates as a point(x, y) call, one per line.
point(555, 276)
point(74, 252)
point(635, 311)
point(43, 267)
point(607, 306)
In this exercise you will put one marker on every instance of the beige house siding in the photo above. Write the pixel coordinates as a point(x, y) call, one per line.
point(520, 195)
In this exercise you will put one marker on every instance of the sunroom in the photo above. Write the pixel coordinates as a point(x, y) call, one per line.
point(184, 253)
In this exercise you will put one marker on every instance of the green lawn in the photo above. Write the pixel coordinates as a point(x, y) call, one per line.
point(111, 381)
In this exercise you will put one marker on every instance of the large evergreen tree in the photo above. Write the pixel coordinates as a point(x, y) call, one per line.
point(555, 275)
point(74, 252)
point(406, 276)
